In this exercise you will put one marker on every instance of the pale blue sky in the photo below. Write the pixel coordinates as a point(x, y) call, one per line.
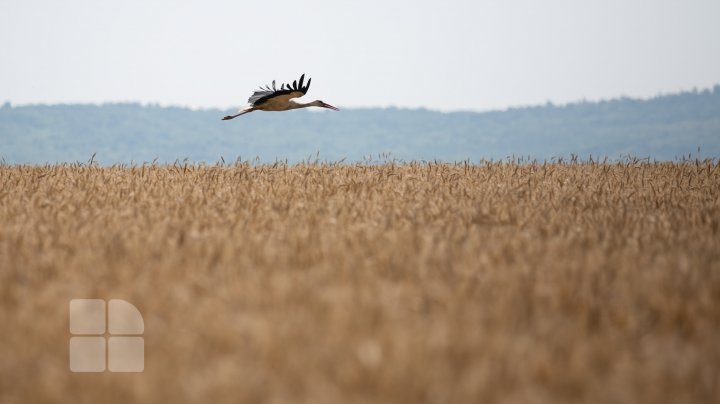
point(447, 55)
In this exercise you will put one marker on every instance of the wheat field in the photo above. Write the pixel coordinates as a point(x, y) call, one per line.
point(500, 282)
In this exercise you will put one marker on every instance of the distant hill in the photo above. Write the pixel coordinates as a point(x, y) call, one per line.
point(664, 128)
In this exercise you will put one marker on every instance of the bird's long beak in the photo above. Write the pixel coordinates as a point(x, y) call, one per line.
point(330, 107)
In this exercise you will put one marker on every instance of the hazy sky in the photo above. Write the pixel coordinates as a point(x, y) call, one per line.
point(448, 55)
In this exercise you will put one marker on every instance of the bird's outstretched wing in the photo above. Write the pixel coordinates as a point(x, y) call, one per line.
point(286, 91)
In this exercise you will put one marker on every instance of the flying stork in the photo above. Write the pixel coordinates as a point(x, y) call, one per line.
point(272, 99)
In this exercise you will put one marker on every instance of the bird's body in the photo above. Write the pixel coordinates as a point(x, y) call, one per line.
point(274, 99)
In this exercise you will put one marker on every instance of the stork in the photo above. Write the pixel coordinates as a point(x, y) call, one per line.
point(270, 98)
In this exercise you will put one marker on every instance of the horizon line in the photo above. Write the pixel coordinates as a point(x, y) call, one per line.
point(549, 103)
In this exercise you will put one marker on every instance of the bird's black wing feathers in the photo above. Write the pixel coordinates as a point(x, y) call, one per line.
point(264, 94)
point(258, 95)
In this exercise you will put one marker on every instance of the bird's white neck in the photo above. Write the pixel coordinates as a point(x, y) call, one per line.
point(296, 105)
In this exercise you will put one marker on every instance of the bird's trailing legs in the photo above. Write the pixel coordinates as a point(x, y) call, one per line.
point(238, 114)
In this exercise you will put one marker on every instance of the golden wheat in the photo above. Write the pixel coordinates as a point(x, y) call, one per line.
point(331, 283)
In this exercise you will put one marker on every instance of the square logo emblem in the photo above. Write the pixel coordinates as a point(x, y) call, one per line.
point(91, 350)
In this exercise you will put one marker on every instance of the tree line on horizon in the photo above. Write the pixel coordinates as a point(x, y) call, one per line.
point(666, 127)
